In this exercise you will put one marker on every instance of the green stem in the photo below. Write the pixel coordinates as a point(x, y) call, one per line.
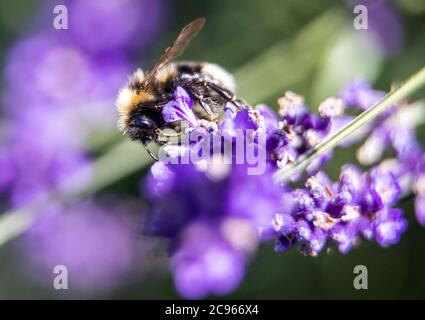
point(405, 89)
point(121, 160)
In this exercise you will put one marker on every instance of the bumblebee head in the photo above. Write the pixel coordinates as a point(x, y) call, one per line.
point(130, 98)
point(142, 128)
point(139, 117)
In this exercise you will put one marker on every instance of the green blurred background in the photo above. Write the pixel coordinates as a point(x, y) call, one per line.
point(305, 46)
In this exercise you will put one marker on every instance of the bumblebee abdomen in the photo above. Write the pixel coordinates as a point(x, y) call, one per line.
point(170, 74)
point(220, 75)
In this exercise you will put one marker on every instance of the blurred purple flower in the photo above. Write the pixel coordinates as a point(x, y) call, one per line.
point(236, 123)
point(385, 26)
point(269, 119)
point(359, 93)
point(96, 244)
point(184, 199)
point(255, 197)
point(195, 207)
point(389, 225)
point(7, 169)
point(59, 87)
point(61, 76)
point(208, 266)
point(104, 26)
point(44, 152)
point(384, 188)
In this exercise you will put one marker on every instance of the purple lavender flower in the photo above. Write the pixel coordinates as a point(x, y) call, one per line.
point(319, 188)
point(53, 101)
point(62, 100)
point(302, 202)
point(284, 224)
point(389, 226)
point(208, 266)
point(236, 123)
point(49, 73)
point(57, 148)
point(343, 237)
point(198, 206)
point(52, 161)
point(180, 109)
point(291, 108)
point(100, 26)
point(97, 247)
point(254, 197)
point(384, 188)
point(351, 181)
point(270, 121)
point(408, 163)
point(385, 27)
point(186, 198)
point(202, 196)
point(7, 170)
point(359, 93)
point(174, 203)
point(327, 212)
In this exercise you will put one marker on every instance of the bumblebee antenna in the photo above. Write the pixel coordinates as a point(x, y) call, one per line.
point(150, 152)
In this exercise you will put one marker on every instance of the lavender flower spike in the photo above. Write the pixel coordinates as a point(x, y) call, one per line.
point(180, 109)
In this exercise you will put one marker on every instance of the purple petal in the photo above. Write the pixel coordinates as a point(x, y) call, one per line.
point(180, 109)
point(389, 226)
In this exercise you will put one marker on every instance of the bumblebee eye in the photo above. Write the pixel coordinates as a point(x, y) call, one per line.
point(143, 122)
point(142, 128)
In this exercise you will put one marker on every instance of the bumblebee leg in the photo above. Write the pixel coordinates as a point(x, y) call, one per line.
point(210, 95)
point(227, 95)
point(224, 93)
point(150, 152)
point(240, 104)
point(205, 105)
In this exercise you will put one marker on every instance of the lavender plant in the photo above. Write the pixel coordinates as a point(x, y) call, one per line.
point(215, 214)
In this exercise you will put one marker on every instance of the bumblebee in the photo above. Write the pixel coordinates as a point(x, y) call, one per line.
point(141, 101)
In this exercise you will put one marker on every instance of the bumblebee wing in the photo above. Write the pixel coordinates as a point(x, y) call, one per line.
point(177, 48)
